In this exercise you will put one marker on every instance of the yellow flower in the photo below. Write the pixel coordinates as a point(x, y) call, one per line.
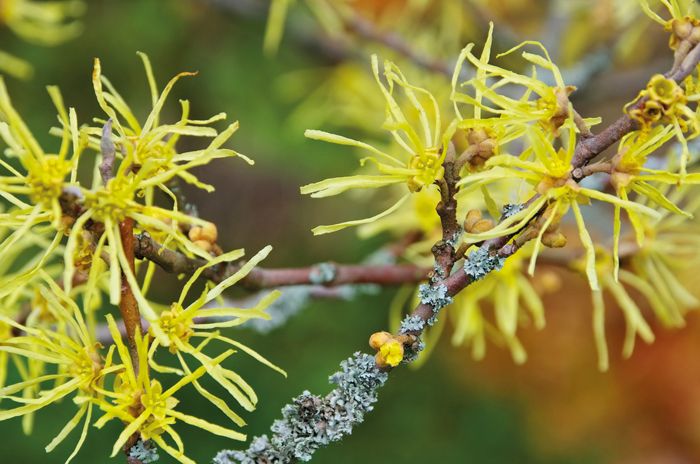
point(419, 154)
point(542, 103)
point(72, 350)
point(683, 24)
point(669, 246)
point(146, 407)
point(150, 148)
point(635, 323)
point(391, 352)
point(549, 177)
point(629, 174)
point(183, 324)
point(33, 190)
point(665, 102)
point(147, 159)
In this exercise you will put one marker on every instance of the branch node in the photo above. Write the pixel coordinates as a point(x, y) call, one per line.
point(323, 273)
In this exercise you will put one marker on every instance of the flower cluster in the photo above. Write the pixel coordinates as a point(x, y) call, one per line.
point(513, 143)
point(68, 237)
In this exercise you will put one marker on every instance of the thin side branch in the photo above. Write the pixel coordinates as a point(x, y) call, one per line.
point(326, 274)
point(589, 148)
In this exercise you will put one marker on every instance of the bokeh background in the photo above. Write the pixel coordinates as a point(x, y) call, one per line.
point(557, 408)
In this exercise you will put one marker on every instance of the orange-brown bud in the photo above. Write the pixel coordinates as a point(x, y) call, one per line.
point(554, 239)
point(377, 339)
point(481, 226)
point(209, 232)
point(473, 216)
point(203, 244)
point(195, 233)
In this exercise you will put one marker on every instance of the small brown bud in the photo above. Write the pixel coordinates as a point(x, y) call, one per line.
point(209, 232)
point(473, 216)
point(377, 339)
point(203, 244)
point(195, 233)
point(554, 239)
point(487, 148)
point(481, 226)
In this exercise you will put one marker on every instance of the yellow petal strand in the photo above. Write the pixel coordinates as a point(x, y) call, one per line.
point(238, 275)
point(152, 119)
point(251, 353)
point(100, 95)
point(208, 426)
point(121, 348)
point(68, 428)
point(617, 226)
point(538, 241)
point(633, 316)
point(340, 140)
point(321, 230)
point(667, 314)
point(129, 430)
point(150, 78)
point(215, 400)
point(657, 197)
point(275, 25)
point(532, 301)
point(587, 243)
point(181, 458)
point(599, 330)
point(336, 185)
point(223, 258)
point(456, 75)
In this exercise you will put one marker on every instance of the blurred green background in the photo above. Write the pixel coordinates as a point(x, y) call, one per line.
point(452, 410)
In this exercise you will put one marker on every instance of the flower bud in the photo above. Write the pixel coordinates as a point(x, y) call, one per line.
point(209, 232)
point(554, 239)
point(377, 339)
point(481, 226)
point(473, 216)
point(195, 233)
point(203, 244)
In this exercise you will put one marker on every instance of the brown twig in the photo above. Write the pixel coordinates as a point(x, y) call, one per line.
point(326, 274)
point(128, 307)
point(590, 147)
